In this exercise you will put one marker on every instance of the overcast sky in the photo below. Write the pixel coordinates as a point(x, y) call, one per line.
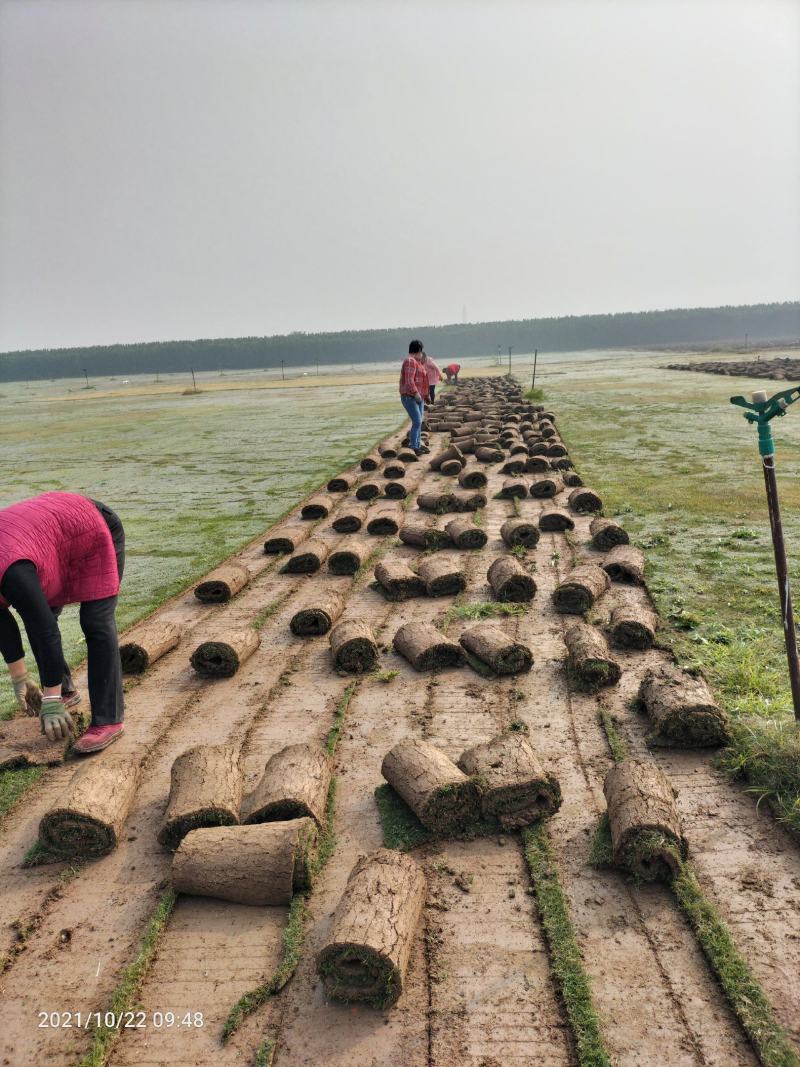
point(211, 168)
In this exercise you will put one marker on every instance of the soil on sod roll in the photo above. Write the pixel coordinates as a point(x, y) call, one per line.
point(222, 584)
point(205, 790)
point(468, 501)
point(223, 657)
point(438, 503)
point(353, 647)
point(395, 491)
point(514, 467)
point(88, 819)
point(465, 534)
point(308, 559)
point(147, 644)
point(584, 500)
point(451, 453)
point(584, 584)
point(514, 487)
point(374, 926)
point(510, 581)
point(520, 532)
point(682, 709)
point(394, 471)
point(450, 468)
point(607, 534)
point(319, 507)
point(347, 560)
point(646, 835)
point(406, 455)
point(590, 658)
point(537, 465)
point(321, 609)
point(426, 648)
point(492, 646)
point(486, 454)
point(442, 577)
point(294, 785)
point(515, 788)
point(633, 626)
point(383, 523)
point(260, 865)
point(285, 540)
point(422, 535)
point(22, 744)
point(625, 563)
point(572, 479)
point(545, 487)
point(388, 452)
point(398, 581)
point(350, 518)
point(343, 483)
point(472, 478)
point(556, 520)
point(368, 490)
point(443, 798)
point(370, 463)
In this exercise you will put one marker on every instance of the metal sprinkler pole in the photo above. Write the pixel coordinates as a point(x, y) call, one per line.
point(761, 411)
point(535, 356)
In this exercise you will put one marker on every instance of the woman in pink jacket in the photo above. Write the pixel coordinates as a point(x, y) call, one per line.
point(58, 549)
point(434, 376)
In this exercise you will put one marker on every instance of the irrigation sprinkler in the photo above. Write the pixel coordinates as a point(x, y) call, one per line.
point(535, 357)
point(509, 360)
point(761, 410)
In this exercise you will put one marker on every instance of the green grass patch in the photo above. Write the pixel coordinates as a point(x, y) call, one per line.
point(265, 1053)
point(534, 393)
point(565, 955)
point(482, 609)
point(766, 754)
point(601, 852)
point(339, 716)
point(616, 742)
point(15, 783)
point(268, 611)
point(384, 676)
point(403, 831)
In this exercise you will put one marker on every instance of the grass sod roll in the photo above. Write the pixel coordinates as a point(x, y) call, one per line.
point(321, 609)
point(510, 582)
point(388, 452)
point(590, 658)
point(607, 534)
point(395, 491)
point(397, 581)
point(515, 788)
point(353, 647)
point(556, 520)
point(222, 584)
point(451, 453)
point(583, 500)
point(572, 478)
point(537, 465)
point(342, 483)
point(442, 576)
point(487, 454)
point(625, 563)
point(556, 451)
point(468, 501)
point(407, 455)
point(633, 626)
point(646, 835)
point(450, 468)
point(373, 930)
point(521, 532)
point(368, 490)
point(513, 487)
point(308, 559)
point(370, 462)
point(88, 818)
point(682, 709)
point(584, 584)
point(347, 560)
point(492, 646)
point(426, 648)
point(205, 790)
point(285, 540)
point(466, 445)
point(472, 478)
point(545, 487)
point(147, 644)
point(294, 785)
point(319, 507)
point(438, 503)
point(444, 799)
point(423, 535)
point(393, 471)
point(513, 467)
point(383, 523)
point(223, 657)
point(350, 518)
point(465, 534)
point(261, 864)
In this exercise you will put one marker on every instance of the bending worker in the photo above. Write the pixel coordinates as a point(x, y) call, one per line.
point(58, 549)
point(451, 370)
point(414, 392)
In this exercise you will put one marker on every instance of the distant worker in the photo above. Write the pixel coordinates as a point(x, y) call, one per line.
point(434, 376)
point(58, 549)
point(414, 392)
point(451, 370)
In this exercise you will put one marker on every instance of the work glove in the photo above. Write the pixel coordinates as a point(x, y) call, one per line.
point(28, 694)
point(55, 719)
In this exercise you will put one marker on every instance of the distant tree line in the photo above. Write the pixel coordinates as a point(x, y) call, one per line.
point(682, 326)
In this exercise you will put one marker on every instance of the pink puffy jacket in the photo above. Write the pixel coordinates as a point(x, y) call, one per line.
point(66, 538)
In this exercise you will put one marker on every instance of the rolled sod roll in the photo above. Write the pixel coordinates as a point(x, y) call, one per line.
point(473, 479)
point(342, 483)
point(646, 834)
point(388, 452)
point(467, 445)
point(518, 449)
point(590, 657)
point(556, 520)
point(395, 491)
point(223, 657)
point(321, 609)
point(607, 534)
point(545, 487)
point(383, 522)
point(261, 865)
point(538, 448)
point(625, 563)
point(547, 430)
point(442, 577)
point(514, 487)
point(465, 534)
point(353, 647)
point(510, 581)
point(222, 584)
point(582, 586)
point(491, 645)
point(572, 479)
point(350, 518)
point(441, 796)
point(394, 471)
point(368, 491)
point(148, 643)
point(468, 501)
point(514, 466)
point(88, 818)
point(372, 935)
point(285, 540)
point(397, 581)
point(633, 626)
point(453, 452)
point(556, 451)
point(205, 790)
point(520, 532)
point(583, 500)
point(294, 785)
point(515, 788)
point(426, 648)
point(347, 560)
point(450, 468)
point(537, 465)
point(370, 463)
point(308, 559)
point(319, 507)
point(487, 454)
point(436, 502)
point(682, 709)
point(407, 455)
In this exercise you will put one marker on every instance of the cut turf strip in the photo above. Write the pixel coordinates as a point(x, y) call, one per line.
point(147, 644)
point(206, 790)
point(294, 785)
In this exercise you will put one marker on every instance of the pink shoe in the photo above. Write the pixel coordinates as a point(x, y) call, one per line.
point(97, 738)
point(71, 699)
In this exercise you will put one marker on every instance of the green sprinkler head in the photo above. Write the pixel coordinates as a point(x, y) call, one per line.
point(762, 409)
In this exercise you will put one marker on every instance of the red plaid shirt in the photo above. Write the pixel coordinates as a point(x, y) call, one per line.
point(413, 378)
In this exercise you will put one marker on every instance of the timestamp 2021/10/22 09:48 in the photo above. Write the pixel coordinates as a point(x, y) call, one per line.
point(123, 1020)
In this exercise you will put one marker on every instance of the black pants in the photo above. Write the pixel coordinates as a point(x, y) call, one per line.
point(431, 393)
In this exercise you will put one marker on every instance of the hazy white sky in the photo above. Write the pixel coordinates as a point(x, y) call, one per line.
point(206, 168)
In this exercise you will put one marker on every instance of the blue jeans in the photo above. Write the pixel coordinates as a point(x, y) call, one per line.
point(415, 411)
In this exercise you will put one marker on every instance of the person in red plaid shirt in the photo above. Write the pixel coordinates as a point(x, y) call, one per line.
point(414, 392)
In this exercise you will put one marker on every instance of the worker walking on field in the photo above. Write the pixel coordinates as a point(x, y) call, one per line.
point(451, 370)
point(414, 392)
point(434, 376)
point(58, 549)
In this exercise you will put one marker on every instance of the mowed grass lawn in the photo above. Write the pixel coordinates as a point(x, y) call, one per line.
point(679, 466)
